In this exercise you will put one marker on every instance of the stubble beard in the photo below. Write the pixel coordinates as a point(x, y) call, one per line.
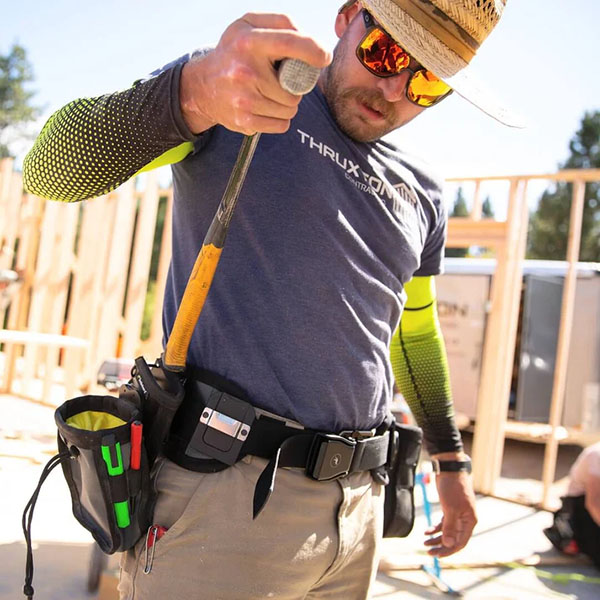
point(344, 101)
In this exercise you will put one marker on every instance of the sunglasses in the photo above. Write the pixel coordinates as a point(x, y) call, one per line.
point(380, 54)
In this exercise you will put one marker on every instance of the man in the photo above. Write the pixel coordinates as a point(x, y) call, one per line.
point(336, 233)
point(576, 526)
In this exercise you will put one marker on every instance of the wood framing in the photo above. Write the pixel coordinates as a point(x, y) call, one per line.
point(510, 239)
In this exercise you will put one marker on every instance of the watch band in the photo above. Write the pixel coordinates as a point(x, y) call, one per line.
point(451, 466)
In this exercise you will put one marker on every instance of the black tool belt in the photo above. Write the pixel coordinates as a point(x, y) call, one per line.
point(214, 429)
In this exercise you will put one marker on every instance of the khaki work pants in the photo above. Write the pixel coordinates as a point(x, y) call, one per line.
point(313, 540)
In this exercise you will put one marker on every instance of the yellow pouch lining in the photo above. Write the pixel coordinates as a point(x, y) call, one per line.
point(92, 420)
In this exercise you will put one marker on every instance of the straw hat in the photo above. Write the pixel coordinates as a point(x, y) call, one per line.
point(444, 35)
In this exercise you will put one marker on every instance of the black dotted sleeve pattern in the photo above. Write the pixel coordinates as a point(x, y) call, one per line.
point(421, 371)
point(93, 145)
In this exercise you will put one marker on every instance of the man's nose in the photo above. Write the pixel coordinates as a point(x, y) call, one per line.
point(394, 88)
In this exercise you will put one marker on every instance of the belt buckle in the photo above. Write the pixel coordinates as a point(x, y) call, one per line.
point(331, 457)
point(358, 434)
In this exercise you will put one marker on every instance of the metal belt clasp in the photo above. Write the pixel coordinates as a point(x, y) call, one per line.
point(331, 457)
point(222, 429)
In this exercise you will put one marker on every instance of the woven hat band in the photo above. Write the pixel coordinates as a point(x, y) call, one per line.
point(430, 17)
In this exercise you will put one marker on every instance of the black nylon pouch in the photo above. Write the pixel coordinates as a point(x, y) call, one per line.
point(158, 393)
point(399, 507)
point(109, 498)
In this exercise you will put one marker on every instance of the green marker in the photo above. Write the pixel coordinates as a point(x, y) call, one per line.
point(111, 453)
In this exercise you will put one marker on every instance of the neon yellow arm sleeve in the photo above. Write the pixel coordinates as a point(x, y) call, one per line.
point(170, 157)
point(420, 367)
point(93, 145)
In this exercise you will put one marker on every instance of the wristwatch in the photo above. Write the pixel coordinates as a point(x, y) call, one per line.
point(451, 466)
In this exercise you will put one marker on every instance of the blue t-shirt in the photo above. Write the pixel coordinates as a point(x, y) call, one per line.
point(309, 289)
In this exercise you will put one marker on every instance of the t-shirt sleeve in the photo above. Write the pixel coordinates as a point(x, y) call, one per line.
point(433, 251)
point(92, 145)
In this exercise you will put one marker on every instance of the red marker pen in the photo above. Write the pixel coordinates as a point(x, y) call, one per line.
point(136, 445)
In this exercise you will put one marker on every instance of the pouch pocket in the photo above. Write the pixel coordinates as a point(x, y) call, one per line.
point(399, 506)
point(159, 393)
point(107, 471)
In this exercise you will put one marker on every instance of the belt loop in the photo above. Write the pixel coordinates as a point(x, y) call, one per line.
point(359, 452)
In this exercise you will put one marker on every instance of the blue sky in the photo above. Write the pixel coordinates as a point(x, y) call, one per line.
point(541, 59)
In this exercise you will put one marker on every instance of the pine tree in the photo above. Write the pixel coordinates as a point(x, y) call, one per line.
point(487, 210)
point(458, 210)
point(549, 225)
point(16, 109)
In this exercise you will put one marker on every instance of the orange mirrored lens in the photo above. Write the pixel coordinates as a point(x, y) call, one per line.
point(425, 89)
point(384, 57)
point(381, 54)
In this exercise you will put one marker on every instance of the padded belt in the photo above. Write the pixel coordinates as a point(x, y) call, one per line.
point(323, 456)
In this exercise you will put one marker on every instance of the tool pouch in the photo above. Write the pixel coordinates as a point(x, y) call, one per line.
point(399, 507)
point(107, 470)
point(158, 393)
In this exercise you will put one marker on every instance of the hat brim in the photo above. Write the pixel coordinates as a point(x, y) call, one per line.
point(439, 59)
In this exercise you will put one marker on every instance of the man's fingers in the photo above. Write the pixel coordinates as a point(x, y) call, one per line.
point(279, 44)
point(270, 88)
point(236, 85)
point(434, 541)
point(268, 21)
point(249, 110)
point(274, 37)
point(441, 551)
point(256, 123)
point(457, 531)
point(454, 536)
point(450, 533)
point(436, 529)
point(267, 108)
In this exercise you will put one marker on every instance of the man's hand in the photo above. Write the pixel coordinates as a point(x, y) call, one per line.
point(236, 85)
point(457, 498)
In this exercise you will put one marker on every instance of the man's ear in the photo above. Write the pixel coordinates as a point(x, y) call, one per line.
point(345, 18)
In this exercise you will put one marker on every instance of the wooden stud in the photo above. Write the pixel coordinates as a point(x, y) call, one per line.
point(153, 345)
point(88, 281)
point(109, 326)
point(31, 219)
point(41, 291)
point(11, 217)
point(564, 337)
point(463, 232)
point(140, 266)
point(6, 173)
point(50, 340)
point(477, 210)
point(498, 355)
point(10, 224)
point(59, 286)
